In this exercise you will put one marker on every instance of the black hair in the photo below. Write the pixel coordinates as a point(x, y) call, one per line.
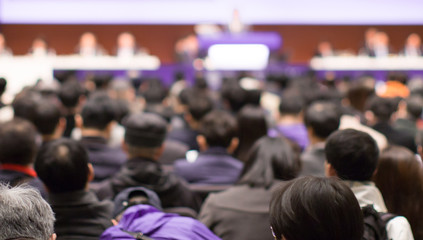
point(323, 118)
point(311, 208)
point(353, 154)
point(153, 91)
point(47, 116)
point(3, 84)
point(99, 111)
point(62, 165)
point(270, 159)
point(291, 104)
point(18, 142)
point(70, 92)
point(234, 95)
point(251, 126)
point(414, 107)
point(382, 108)
point(219, 128)
point(25, 103)
point(199, 106)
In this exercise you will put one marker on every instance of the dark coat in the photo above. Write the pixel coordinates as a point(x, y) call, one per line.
point(213, 166)
point(313, 161)
point(20, 176)
point(80, 215)
point(172, 191)
point(396, 137)
point(106, 160)
point(239, 213)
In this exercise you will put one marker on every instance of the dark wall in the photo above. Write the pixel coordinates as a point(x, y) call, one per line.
point(299, 41)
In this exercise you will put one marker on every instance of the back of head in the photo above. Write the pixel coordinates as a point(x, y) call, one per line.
point(199, 106)
point(400, 179)
point(414, 107)
point(24, 214)
point(24, 104)
point(219, 128)
point(234, 95)
point(353, 154)
point(18, 142)
point(70, 93)
point(291, 104)
point(47, 116)
point(358, 93)
point(62, 165)
point(145, 130)
point(268, 160)
point(98, 112)
point(382, 108)
point(316, 208)
point(323, 118)
point(251, 126)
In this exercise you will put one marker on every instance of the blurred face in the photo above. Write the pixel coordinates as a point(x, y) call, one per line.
point(381, 38)
point(39, 44)
point(126, 40)
point(413, 40)
point(88, 40)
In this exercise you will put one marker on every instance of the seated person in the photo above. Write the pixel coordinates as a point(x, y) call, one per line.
point(24, 214)
point(88, 46)
point(138, 211)
point(17, 153)
point(65, 171)
point(321, 119)
point(143, 144)
point(306, 209)
point(290, 122)
point(127, 46)
point(271, 161)
point(97, 120)
point(40, 48)
point(198, 105)
point(413, 46)
point(4, 50)
point(353, 157)
point(217, 140)
point(48, 120)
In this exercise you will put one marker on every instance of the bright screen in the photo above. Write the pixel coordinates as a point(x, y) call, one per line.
point(322, 12)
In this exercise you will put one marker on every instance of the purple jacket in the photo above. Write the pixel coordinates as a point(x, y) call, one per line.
point(157, 225)
point(294, 132)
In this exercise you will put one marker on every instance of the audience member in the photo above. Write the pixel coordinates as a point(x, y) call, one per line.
point(17, 153)
point(197, 107)
point(98, 119)
point(315, 208)
point(379, 117)
point(353, 156)
point(24, 104)
point(49, 121)
point(217, 140)
point(399, 177)
point(144, 136)
point(65, 171)
point(271, 161)
point(290, 122)
point(251, 126)
point(138, 213)
point(71, 95)
point(321, 119)
point(24, 214)
point(408, 113)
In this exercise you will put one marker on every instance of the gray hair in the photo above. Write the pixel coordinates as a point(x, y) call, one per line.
point(24, 213)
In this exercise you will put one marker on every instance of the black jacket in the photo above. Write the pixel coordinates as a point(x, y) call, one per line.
point(172, 190)
point(80, 215)
point(106, 160)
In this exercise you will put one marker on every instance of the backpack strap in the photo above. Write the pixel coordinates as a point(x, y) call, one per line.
point(136, 235)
